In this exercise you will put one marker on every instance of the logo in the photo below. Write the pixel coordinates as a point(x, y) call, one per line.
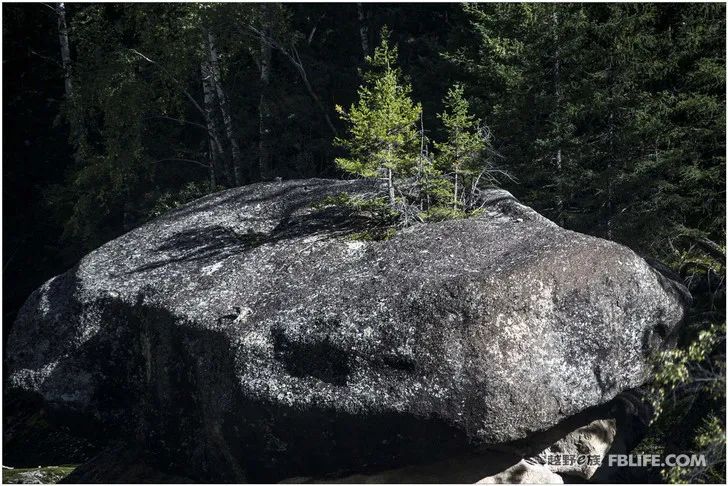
point(626, 460)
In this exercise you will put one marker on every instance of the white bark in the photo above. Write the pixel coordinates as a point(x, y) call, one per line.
point(74, 113)
point(216, 153)
point(65, 50)
point(216, 80)
point(390, 188)
point(455, 192)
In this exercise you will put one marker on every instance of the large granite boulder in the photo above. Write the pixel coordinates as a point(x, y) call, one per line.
point(250, 336)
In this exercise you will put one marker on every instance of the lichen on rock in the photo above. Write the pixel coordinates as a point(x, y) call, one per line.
point(245, 336)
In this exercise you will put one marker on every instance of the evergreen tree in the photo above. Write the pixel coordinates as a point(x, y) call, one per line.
point(463, 154)
point(383, 138)
point(610, 117)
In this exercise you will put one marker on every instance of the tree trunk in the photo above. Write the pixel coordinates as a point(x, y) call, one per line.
point(363, 29)
point(558, 102)
point(455, 192)
point(610, 154)
point(263, 109)
point(390, 187)
point(65, 50)
point(74, 112)
point(421, 164)
point(216, 79)
point(610, 178)
point(216, 152)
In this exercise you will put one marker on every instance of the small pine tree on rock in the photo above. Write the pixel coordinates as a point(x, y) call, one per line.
point(463, 155)
point(383, 137)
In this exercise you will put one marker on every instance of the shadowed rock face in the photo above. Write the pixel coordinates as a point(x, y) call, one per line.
point(246, 336)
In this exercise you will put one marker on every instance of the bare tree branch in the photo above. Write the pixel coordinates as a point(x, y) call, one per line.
point(294, 58)
point(46, 58)
point(175, 159)
point(170, 76)
point(179, 120)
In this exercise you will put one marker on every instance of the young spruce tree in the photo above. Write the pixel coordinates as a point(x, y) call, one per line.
point(462, 155)
point(383, 138)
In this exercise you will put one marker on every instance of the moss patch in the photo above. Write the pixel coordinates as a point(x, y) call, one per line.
point(36, 475)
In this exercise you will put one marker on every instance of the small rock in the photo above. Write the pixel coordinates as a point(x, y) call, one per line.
point(524, 473)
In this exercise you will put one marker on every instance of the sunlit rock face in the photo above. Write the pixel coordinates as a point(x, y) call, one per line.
point(248, 335)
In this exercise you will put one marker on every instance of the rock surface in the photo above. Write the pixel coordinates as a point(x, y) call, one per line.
point(247, 336)
point(524, 473)
point(593, 441)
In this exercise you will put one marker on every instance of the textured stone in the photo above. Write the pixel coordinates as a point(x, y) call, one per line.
point(524, 473)
point(594, 439)
point(248, 336)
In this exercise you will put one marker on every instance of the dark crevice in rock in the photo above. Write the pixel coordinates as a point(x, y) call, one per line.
point(398, 362)
point(319, 359)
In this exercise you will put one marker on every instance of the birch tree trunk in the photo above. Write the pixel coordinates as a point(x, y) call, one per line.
point(74, 112)
point(65, 50)
point(363, 29)
point(216, 80)
point(263, 109)
point(216, 153)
